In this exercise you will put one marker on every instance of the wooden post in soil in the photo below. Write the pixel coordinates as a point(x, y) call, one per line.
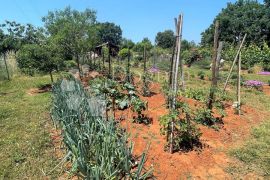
point(220, 47)
point(175, 75)
point(239, 85)
point(5, 60)
point(234, 61)
point(181, 60)
point(128, 79)
point(110, 63)
point(214, 62)
point(103, 59)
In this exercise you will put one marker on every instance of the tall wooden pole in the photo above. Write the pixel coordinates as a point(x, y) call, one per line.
point(234, 61)
point(181, 59)
point(214, 63)
point(175, 75)
point(110, 63)
point(239, 85)
point(220, 47)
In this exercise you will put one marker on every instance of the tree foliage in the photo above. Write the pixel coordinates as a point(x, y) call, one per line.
point(139, 47)
point(165, 39)
point(239, 18)
point(109, 32)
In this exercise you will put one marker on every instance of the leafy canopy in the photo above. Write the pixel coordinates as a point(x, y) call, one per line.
point(239, 18)
point(165, 39)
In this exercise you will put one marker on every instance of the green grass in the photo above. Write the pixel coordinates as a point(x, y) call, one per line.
point(255, 153)
point(26, 150)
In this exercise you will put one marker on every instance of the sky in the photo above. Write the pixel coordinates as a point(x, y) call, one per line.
point(137, 18)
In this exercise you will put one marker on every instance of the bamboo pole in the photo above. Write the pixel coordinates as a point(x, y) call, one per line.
point(239, 85)
point(234, 61)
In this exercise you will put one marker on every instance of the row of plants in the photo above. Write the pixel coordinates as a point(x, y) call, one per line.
point(96, 146)
point(119, 96)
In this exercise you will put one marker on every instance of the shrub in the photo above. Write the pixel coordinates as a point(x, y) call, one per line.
point(205, 117)
point(70, 64)
point(197, 94)
point(186, 135)
point(123, 53)
point(201, 75)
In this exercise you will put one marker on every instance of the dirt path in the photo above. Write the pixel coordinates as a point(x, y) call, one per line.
point(210, 162)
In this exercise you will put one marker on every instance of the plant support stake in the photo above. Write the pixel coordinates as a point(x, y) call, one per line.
point(234, 61)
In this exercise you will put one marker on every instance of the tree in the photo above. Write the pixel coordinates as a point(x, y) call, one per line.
point(239, 18)
point(127, 43)
point(70, 30)
point(37, 57)
point(267, 3)
point(109, 32)
point(139, 47)
point(165, 39)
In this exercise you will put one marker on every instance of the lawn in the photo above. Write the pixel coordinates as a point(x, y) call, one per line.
point(26, 149)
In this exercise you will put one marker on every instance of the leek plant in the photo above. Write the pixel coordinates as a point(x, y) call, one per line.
point(98, 148)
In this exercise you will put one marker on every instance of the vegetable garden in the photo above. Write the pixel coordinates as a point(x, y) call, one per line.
point(122, 110)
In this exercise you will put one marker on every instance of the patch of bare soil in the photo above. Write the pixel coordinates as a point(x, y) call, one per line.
point(43, 89)
point(209, 162)
point(266, 89)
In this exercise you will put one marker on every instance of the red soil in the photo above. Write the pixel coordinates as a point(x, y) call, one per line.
point(209, 162)
point(266, 90)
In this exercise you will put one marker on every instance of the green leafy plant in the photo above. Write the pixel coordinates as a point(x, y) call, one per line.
point(197, 94)
point(186, 136)
point(138, 106)
point(146, 83)
point(205, 117)
point(201, 75)
point(119, 73)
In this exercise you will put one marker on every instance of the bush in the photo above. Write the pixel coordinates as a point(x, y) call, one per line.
point(197, 94)
point(205, 117)
point(186, 135)
point(124, 53)
point(201, 75)
point(70, 64)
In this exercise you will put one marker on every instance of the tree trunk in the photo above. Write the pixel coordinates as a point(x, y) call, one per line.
point(8, 76)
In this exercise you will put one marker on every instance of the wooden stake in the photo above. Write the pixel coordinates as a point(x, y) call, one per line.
point(234, 61)
point(214, 62)
point(175, 74)
point(110, 63)
point(239, 85)
point(220, 47)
